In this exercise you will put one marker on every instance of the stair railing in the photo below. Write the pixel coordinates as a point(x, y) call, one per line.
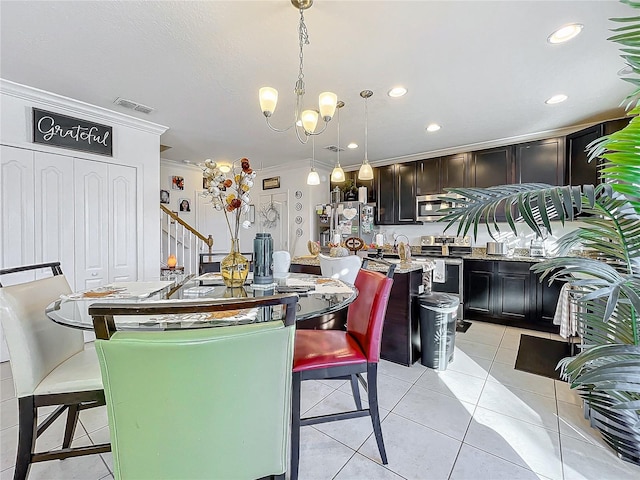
point(182, 240)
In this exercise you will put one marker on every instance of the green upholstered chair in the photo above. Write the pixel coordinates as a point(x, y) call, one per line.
point(205, 403)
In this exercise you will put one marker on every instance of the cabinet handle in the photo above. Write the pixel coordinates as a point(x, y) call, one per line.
point(94, 274)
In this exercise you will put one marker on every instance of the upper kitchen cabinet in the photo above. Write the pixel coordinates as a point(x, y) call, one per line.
point(540, 162)
point(579, 170)
point(428, 176)
point(435, 175)
point(491, 167)
point(453, 171)
point(396, 193)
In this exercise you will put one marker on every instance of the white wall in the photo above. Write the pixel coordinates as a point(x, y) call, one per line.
point(293, 178)
point(135, 143)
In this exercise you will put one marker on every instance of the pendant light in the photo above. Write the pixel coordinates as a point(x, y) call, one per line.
point(365, 172)
point(337, 175)
point(313, 178)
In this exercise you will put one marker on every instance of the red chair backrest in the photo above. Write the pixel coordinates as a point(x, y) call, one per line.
point(365, 316)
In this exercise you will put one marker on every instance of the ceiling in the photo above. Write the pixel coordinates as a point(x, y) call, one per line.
point(482, 70)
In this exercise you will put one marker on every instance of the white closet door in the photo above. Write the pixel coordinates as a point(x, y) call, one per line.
point(17, 210)
point(123, 243)
point(91, 224)
point(17, 218)
point(54, 212)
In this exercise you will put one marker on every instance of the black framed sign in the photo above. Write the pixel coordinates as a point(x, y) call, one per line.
point(63, 131)
point(269, 183)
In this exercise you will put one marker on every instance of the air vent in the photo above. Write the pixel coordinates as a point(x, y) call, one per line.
point(334, 148)
point(138, 107)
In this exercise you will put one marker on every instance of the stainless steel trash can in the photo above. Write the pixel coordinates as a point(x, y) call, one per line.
point(438, 314)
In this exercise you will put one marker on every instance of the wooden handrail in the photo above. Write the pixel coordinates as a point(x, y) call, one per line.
point(208, 240)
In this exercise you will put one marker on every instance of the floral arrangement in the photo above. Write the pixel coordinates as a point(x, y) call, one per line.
point(230, 194)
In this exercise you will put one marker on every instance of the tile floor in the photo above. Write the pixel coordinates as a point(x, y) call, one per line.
point(480, 419)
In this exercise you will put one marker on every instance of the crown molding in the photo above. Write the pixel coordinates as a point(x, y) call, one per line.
point(69, 105)
point(472, 147)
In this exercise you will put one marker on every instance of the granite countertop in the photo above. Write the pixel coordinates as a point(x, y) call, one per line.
point(426, 265)
point(480, 253)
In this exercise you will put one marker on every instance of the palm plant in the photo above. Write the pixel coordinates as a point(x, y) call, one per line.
point(606, 372)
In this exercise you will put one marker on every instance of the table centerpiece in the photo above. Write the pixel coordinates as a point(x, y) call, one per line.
point(231, 196)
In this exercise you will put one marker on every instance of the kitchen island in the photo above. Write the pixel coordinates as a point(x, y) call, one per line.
point(400, 335)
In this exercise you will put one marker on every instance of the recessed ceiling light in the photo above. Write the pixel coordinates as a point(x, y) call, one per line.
point(352, 145)
point(434, 127)
point(224, 168)
point(556, 99)
point(396, 92)
point(565, 33)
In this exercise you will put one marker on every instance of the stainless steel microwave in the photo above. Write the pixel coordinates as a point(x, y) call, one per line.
point(430, 208)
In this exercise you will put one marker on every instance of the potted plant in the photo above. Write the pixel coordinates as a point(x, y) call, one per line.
point(606, 372)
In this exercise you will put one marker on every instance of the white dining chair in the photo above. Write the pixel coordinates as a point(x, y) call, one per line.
point(342, 268)
point(281, 263)
point(50, 366)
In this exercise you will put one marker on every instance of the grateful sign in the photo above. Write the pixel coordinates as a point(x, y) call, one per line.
point(62, 131)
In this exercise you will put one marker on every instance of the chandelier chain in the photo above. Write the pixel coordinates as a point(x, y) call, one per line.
point(303, 36)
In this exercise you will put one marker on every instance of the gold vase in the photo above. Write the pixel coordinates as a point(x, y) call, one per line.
point(234, 267)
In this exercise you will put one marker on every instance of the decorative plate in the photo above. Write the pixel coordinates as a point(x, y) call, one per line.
point(298, 194)
point(298, 206)
point(298, 219)
point(299, 232)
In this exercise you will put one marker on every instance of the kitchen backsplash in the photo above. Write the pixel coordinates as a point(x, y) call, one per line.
point(523, 240)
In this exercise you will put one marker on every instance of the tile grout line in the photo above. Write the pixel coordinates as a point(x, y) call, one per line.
point(555, 391)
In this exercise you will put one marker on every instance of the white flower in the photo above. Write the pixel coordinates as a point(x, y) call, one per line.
point(246, 224)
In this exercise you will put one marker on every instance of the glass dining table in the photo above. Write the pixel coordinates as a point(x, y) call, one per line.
point(317, 296)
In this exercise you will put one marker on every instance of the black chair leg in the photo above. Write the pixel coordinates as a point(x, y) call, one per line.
point(27, 428)
point(72, 420)
point(372, 383)
point(295, 424)
point(356, 391)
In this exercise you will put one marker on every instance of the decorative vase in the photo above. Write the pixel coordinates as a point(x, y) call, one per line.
point(235, 266)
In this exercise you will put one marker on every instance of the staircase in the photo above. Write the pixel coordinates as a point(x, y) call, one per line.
point(182, 240)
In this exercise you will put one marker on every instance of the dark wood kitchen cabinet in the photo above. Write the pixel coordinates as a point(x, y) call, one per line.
point(428, 176)
point(540, 162)
point(491, 167)
point(507, 292)
point(579, 170)
point(435, 175)
point(396, 193)
point(453, 171)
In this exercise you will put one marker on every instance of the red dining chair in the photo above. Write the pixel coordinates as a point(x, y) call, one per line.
point(335, 354)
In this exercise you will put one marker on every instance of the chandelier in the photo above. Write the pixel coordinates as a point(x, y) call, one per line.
point(304, 122)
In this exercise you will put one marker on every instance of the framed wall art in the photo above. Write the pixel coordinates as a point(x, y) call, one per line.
point(269, 183)
point(177, 183)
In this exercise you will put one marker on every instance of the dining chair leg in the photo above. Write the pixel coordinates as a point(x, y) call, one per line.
point(72, 420)
point(356, 391)
point(295, 424)
point(27, 427)
point(372, 383)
